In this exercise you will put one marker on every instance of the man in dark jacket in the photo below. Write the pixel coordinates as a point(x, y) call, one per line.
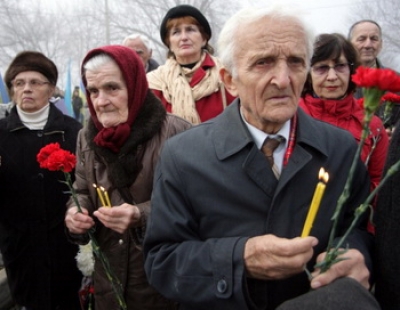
point(39, 261)
point(366, 37)
point(225, 223)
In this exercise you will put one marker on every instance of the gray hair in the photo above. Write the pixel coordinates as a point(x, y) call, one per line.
point(96, 62)
point(135, 36)
point(228, 43)
point(350, 34)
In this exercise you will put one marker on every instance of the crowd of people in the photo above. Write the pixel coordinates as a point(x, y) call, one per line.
point(209, 164)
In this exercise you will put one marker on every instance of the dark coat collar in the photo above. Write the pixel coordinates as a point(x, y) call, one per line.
point(235, 137)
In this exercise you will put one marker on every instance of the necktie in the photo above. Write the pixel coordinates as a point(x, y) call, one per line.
point(268, 148)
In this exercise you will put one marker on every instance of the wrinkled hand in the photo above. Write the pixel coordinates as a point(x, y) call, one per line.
point(353, 267)
point(270, 258)
point(118, 218)
point(76, 222)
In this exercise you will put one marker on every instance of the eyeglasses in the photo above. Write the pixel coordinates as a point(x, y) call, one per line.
point(339, 68)
point(34, 84)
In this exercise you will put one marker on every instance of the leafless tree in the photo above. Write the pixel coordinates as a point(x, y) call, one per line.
point(145, 16)
point(65, 30)
point(57, 33)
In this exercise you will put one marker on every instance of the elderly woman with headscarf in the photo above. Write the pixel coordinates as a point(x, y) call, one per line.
point(39, 261)
point(118, 150)
point(188, 84)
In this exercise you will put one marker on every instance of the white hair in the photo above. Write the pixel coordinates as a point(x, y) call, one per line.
point(97, 61)
point(135, 36)
point(228, 43)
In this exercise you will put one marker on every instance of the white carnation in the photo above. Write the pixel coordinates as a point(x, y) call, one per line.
point(85, 259)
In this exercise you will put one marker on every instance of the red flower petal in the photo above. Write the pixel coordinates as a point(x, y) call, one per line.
point(394, 98)
point(384, 79)
point(53, 158)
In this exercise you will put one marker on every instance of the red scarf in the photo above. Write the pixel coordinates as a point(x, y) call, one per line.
point(132, 69)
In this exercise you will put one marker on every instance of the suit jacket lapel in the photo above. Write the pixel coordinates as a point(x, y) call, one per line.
point(230, 140)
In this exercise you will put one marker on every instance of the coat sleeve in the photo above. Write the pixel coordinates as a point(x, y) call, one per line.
point(179, 263)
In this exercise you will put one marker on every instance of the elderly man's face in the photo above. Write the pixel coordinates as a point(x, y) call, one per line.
point(271, 68)
point(141, 49)
point(367, 40)
point(108, 94)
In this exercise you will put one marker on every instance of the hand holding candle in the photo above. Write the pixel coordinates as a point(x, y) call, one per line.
point(315, 203)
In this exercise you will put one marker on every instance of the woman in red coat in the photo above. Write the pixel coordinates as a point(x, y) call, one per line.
point(188, 84)
point(328, 96)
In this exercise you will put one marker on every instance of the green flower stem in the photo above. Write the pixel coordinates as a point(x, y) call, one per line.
point(115, 283)
point(333, 253)
point(387, 112)
point(346, 192)
point(371, 103)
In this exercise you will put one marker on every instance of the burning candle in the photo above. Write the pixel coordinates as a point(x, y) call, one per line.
point(107, 198)
point(315, 203)
point(100, 194)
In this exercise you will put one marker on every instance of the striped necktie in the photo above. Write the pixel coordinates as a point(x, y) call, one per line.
point(268, 148)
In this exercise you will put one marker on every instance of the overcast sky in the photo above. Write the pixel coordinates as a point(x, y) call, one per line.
point(325, 15)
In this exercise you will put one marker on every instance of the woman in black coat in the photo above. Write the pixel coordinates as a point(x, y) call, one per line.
point(39, 262)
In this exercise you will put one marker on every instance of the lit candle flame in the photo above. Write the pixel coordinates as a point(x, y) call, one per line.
point(323, 175)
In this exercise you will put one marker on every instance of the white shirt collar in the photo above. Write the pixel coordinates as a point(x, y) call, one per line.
point(259, 137)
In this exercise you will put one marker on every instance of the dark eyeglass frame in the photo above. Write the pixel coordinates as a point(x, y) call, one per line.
point(343, 67)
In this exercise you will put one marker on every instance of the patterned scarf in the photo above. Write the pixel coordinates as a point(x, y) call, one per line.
point(174, 82)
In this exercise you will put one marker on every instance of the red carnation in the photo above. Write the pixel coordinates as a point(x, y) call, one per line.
point(53, 158)
point(384, 79)
point(391, 97)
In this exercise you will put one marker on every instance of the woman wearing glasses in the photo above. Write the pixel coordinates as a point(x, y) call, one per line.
point(328, 96)
point(39, 261)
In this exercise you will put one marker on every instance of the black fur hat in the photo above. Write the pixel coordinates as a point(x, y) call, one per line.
point(31, 61)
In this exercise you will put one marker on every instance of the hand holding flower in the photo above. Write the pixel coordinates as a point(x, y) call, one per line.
point(352, 265)
point(54, 158)
point(78, 222)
